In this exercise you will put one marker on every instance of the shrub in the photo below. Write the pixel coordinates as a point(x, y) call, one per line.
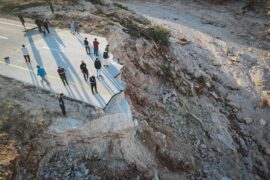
point(120, 6)
point(99, 2)
point(18, 6)
point(159, 34)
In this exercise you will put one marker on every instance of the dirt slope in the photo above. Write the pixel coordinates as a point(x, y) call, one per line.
point(199, 102)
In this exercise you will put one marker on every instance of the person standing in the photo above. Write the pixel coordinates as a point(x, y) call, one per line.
point(95, 44)
point(72, 27)
point(62, 104)
point(38, 23)
point(62, 74)
point(106, 61)
point(84, 70)
point(43, 30)
point(46, 25)
point(51, 7)
point(98, 66)
point(87, 48)
point(25, 54)
point(42, 73)
point(93, 84)
point(22, 20)
point(76, 27)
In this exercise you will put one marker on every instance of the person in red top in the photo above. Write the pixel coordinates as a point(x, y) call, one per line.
point(95, 44)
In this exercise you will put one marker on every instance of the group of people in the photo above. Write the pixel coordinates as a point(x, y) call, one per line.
point(62, 72)
point(74, 27)
point(43, 25)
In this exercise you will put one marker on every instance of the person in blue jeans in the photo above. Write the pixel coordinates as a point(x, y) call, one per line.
point(98, 66)
point(42, 73)
point(95, 44)
point(93, 84)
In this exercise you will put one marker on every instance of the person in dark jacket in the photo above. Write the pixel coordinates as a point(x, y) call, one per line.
point(62, 74)
point(93, 84)
point(98, 66)
point(106, 60)
point(51, 7)
point(87, 48)
point(46, 25)
point(39, 24)
point(95, 44)
point(62, 104)
point(22, 20)
point(84, 70)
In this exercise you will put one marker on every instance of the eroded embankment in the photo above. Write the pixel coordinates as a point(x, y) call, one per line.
point(36, 142)
point(199, 115)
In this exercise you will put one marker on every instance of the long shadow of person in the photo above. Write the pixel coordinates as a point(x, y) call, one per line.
point(109, 89)
point(100, 100)
point(105, 71)
point(81, 40)
point(114, 81)
point(63, 61)
point(33, 74)
point(35, 50)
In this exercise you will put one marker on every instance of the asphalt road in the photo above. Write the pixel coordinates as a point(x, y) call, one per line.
point(59, 48)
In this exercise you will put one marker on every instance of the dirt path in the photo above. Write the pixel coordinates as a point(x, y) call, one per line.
point(201, 21)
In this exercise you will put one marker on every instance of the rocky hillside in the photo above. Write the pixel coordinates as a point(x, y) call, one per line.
point(200, 97)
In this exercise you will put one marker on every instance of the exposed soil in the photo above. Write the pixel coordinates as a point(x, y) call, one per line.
point(201, 103)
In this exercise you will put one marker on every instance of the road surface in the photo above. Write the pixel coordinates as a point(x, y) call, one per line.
point(59, 48)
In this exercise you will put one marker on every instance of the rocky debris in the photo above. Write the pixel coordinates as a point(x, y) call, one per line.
point(174, 160)
point(248, 120)
point(232, 51)
point(248, 59)
point(235, 106)
point(168, 95)
point(160, 139)
point(214, 95)
point(177, 123)
point(213, 23)
point(262, 122)
point(260, 75)
point(183, 41)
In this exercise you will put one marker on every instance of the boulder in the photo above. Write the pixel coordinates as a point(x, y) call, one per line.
point(262, 122)
point(232, 51)
point(160, 139)
point(246, 58)
point(248, 120)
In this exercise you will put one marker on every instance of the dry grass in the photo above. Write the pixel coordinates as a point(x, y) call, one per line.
point(12, 6)
point(16, 5)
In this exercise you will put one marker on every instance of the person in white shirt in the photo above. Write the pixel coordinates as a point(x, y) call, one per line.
point(25, 54)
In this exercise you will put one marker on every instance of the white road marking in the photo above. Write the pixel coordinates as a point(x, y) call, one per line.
point(1, 22)
point(2, 37)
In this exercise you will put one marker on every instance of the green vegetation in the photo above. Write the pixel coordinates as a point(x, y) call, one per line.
point(9, 6)
point(159, 34)
point(35, 15)
point(98, 2)
point(120, 6)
